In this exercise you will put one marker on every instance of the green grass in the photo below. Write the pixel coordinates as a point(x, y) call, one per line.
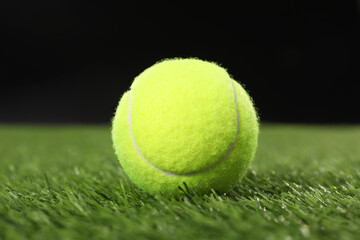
point(65, 183)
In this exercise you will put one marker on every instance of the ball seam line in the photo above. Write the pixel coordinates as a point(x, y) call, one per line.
point(170, 174)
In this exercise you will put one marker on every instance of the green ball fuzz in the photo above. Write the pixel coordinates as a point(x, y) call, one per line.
point(185, 121)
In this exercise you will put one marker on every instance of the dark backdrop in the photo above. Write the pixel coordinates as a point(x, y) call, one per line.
point(68, 61)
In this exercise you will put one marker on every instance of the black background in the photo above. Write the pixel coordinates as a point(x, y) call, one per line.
point(70, 61)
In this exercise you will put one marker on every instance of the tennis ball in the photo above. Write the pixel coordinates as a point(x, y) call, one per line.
point(185, 121)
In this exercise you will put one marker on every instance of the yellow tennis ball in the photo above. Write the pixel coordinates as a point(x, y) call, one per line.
point(185, 121)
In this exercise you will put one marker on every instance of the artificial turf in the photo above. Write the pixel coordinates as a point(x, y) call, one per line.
point(64, 182)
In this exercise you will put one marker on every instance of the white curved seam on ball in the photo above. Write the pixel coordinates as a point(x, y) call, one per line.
point(169, 174)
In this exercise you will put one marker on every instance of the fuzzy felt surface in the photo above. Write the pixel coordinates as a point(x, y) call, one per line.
point(183, 119)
